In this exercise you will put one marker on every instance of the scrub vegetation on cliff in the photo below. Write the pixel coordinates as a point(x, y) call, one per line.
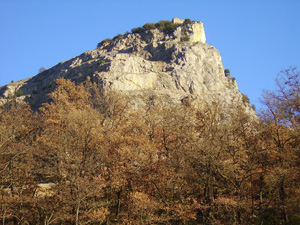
point(165, 26)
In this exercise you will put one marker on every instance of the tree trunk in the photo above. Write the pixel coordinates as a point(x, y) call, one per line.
point(77, 212)
point(282, 200)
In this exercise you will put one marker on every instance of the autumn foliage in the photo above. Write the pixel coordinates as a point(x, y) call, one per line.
point(91, 158)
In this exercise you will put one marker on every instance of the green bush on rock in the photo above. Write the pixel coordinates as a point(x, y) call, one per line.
point(187, 21)
point(149, 26)
point(137, 30)
point(101, 62)
point(227, 72)
point(19, 93)
point(166, 26)
point(104, 42)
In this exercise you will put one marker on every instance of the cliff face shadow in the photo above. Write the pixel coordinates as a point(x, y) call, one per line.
point(37, 89)
point(160, 53)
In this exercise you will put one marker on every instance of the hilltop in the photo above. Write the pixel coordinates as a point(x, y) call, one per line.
point(167, 60)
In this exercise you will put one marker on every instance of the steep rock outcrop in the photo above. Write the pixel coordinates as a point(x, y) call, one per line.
point(175, 65)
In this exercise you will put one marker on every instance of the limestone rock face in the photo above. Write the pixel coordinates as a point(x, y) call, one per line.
point(195, 32)
point(147, 64)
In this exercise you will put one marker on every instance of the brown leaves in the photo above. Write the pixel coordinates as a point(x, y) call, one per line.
point(167, 164)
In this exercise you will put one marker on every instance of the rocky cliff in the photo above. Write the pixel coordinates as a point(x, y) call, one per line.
point(168, 60)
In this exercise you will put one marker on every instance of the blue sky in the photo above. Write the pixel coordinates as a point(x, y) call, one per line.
point(256, 38)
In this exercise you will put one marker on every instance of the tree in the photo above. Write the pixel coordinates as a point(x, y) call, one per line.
point(281, 119)
point(72, 155)
point(283, 104)
point(89, 157)
point(18, 130)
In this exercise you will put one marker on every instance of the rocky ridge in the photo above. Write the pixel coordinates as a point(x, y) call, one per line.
point(175, 65)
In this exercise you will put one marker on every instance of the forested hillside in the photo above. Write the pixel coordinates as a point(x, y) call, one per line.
point(92, 158)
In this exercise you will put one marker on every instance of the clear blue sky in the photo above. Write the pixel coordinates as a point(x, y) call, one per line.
point(256, 38)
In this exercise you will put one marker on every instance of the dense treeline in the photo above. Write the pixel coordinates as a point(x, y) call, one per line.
point(88, 158)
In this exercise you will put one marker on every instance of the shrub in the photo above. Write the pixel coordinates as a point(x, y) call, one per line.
point(166, 26)
point(149, 26)
point(185, 38)
point(104, 42)
point(50, 84)
point(170, 27)
point(184, 32)
point(34, 91)
point(161, 24)
point(119, 36)
point(137, 30)
point(187, 21)
point(19, 93)
point(227, 72)
point(101, 62)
